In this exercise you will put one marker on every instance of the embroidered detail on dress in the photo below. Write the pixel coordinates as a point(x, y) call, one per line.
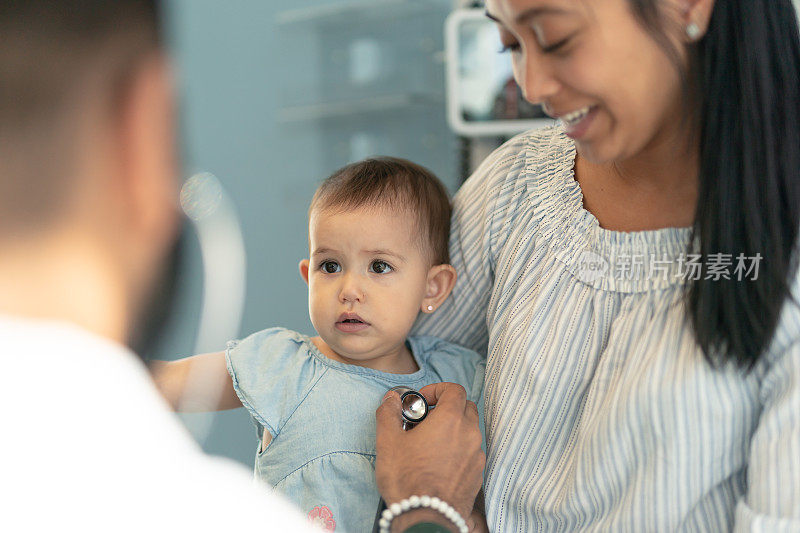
point(322, 517)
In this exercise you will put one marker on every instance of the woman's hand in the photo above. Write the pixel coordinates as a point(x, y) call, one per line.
point(440, 457)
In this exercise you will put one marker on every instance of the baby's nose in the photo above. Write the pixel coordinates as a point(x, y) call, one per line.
point(351, 290)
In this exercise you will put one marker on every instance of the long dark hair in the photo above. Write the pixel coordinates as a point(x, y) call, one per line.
point(743, 93)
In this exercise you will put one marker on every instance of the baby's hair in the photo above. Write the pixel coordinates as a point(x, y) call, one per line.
point(394, 183)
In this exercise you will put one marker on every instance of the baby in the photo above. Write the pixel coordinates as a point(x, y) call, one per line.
point(378, 235)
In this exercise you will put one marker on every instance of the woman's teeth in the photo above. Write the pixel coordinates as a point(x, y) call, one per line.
point(571, 119)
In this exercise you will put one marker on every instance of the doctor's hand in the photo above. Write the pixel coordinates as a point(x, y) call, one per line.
point(441, 456)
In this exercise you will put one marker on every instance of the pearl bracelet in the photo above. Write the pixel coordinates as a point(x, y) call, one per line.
point(416, 502)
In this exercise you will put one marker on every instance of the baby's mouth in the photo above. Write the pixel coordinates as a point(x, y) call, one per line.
point(351, 318)
point(350, 322)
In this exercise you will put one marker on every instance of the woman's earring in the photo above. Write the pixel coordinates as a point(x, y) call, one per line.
point(430, 308)
point(693, 31)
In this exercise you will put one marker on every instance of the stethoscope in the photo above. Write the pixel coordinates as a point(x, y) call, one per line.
point(414, 410)
point(415, 407)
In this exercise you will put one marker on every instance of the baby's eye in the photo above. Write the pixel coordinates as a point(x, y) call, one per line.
point(380, 267)
point(330, 267)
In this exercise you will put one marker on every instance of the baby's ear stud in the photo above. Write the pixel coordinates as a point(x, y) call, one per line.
point(430, 308)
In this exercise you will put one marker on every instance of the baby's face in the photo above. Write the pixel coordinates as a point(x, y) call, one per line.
point(366, 278)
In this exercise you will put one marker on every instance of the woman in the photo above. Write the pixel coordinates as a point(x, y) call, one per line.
point(630, 272)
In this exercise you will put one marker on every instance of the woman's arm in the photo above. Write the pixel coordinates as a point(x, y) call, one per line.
point(772, 500)
point(198, 383)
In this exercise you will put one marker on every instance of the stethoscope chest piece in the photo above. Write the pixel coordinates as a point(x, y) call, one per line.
point(414, 406)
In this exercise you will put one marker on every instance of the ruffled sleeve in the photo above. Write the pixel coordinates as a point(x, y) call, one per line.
point(272, 372)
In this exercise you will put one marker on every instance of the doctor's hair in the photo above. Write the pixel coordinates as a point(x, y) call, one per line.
point(60, 61)
point(742, 90)
point(396, 184)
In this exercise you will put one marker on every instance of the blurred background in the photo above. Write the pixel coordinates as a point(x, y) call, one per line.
point(275, 96)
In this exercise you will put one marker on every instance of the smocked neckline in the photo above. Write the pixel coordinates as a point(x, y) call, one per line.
point(602, 258)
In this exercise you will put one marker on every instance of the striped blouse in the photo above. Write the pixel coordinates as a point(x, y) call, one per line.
point(601, 413)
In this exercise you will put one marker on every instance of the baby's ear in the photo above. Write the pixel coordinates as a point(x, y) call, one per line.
point(304, 270)
point(441, 279)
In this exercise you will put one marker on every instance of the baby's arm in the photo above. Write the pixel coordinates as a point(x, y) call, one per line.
point(197, 383)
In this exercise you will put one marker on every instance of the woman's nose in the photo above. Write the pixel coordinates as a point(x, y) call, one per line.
point(535, 79)
point(351, 290)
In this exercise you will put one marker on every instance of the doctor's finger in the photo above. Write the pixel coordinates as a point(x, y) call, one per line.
point(445, 396)
point(388, 416)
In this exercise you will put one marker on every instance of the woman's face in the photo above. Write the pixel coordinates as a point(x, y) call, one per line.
point(574, 56)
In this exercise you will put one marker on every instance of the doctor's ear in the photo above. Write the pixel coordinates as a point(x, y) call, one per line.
point(304, 270)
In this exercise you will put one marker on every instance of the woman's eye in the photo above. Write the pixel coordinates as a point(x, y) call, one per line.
point(555, 47)
point(380, 267)
point(509, 47)
point(330, 267)
point(507, 41)
point(515, 47)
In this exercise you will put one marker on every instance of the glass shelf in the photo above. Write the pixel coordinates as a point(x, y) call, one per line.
point(360, 51)
point(344, 109)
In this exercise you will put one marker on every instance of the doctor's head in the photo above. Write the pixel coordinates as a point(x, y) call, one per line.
point(87, 158)
point(378, 254)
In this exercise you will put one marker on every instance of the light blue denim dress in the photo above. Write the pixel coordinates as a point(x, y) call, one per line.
point(321, 415)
